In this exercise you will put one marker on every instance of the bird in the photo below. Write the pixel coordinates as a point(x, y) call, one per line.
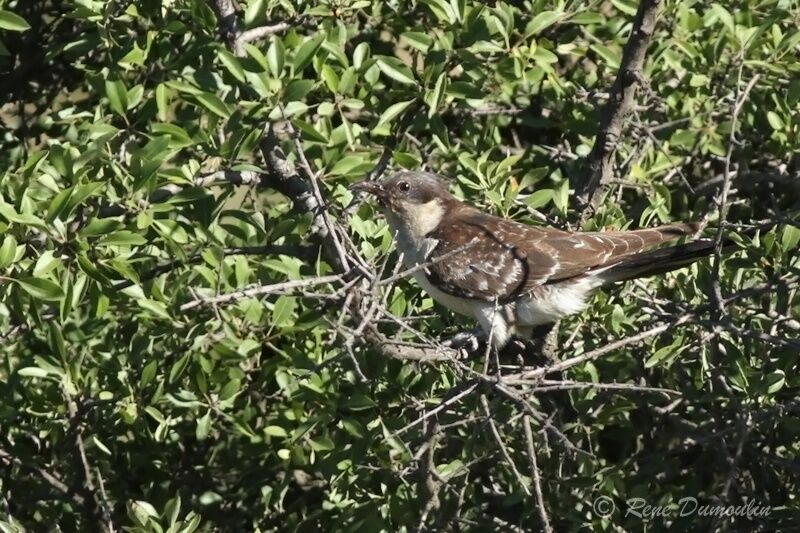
point(510, 276)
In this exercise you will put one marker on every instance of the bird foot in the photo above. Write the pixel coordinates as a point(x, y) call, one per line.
point(466, 343)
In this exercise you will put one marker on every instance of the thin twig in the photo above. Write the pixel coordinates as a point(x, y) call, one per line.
point(454, 396)
point(535, 475)
point(741, 97)
point(594, 354)
point(260, 291)
point(97, 501)
point(498, 438)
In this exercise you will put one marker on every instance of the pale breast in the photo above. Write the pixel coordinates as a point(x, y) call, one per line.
point(549, 303)
point(463, 306)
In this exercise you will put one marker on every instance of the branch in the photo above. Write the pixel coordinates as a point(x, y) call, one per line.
point(98, 503)
point(255, 34)
point(228, 22)
point(405, 351)
point(51, 479)
point(429, 486)
point(284, 178)
point(498, 438)
point(537, 481)
point(230, 28)
point(741, 97)
point(453, 396)
point(260, 291)
point(594, 354)
point(599, 165)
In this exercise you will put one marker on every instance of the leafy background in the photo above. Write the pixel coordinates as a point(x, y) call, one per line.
point(143, 389)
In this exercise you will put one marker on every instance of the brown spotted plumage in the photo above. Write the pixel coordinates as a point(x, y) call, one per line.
point(512, 276)
point(514, 258)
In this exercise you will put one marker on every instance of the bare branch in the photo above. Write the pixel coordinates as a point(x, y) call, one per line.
point(228, 22)
point(741, 97)
point(284, 177)
point(594, 354)
point(600, 163)
point(99, 503)
point(498, 438)
point(254, 34)
point(261, 291)
point(537, 481)
point(453, 396)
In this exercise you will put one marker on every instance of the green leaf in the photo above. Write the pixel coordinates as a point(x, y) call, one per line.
point(667, 352)
point(790, 238)
point(306, 53)
point(297, 90)
point(275, 57)
point(774, 120)
point(230, 390)
point(626, 6)
point(420, 41)
point(122, 238)
point(213, 103)
point(360, 54)
point(610, 56)
point(350, 165)
point(156, 308)
point(396, 69)
point(32, 372)
point(117, 95)
point(179, 137)
point(434, 97)
point(41, 288)
point(203, 426)
point(723, 15)
point(282, 310)
point(8, 251)
point(588, 17)
point(148, 373)
point(231, 63)
point(775, 381)
point(540, 22)
point(276, 431)
point(392, 111)
point(12, 22)
point(162, 101)
point(539, 198)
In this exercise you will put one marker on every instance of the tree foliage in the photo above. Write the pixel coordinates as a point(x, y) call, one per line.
point(194, 330)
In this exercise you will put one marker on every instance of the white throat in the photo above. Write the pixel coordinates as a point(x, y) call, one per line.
point(412, 228)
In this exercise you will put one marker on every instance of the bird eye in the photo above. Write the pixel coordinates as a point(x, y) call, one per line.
point(403, 186)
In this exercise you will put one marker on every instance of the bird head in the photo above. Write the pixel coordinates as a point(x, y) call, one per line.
point(411, 201)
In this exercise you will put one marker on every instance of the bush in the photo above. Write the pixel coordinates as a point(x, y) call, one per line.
point(193, 337)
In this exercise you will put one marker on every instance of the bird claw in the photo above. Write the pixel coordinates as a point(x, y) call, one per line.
point(465, 343)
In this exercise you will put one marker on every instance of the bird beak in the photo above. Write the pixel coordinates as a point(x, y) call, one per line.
point(370, 187)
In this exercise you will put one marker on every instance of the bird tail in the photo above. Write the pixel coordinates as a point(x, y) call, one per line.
point(662, 260)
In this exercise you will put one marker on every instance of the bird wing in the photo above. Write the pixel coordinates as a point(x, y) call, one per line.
point(484, 257)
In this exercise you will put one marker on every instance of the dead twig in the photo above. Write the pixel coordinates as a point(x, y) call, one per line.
point(503, 449)
point(741, 97)
point(600, 163)
point(260, 291)
point(535, 475)
point(98, 503)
